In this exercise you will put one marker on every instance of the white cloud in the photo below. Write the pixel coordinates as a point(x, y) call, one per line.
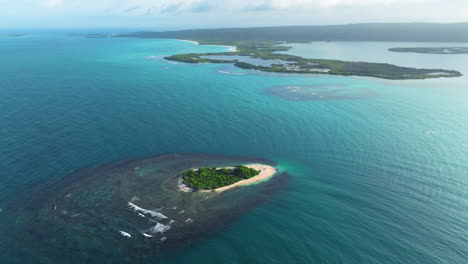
point(209, 13)
point(54, 3)
point(156, 7)
point(189, 5)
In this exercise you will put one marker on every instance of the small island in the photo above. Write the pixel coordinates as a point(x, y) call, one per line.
point(221, 179)
point(433, 50)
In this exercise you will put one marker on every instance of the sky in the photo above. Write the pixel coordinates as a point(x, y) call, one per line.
point(180, 14)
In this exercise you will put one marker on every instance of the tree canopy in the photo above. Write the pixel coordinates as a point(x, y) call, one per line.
point(213, 178)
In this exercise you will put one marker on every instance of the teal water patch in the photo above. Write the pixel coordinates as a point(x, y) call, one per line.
point(320, 92)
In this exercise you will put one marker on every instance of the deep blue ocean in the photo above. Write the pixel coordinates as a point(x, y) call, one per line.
point(379, 178)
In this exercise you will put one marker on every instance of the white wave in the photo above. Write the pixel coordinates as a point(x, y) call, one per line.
point(431, 132)
point(163, 239)
point(189, 220)
point(146, 211)
point(125, 234)
point(153, 57)
point(159, 228)
point(146, 235)
point(231, 73)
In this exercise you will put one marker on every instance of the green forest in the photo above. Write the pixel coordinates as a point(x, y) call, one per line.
point(213, 178)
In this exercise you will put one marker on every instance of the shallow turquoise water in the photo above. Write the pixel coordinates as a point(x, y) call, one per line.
point(376, 180)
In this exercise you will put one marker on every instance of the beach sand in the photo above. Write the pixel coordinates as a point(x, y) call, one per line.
point(231, 48)
point(266, 172)
point(191, 41)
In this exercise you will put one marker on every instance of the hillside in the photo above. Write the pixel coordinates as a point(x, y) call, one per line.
point(395, 32)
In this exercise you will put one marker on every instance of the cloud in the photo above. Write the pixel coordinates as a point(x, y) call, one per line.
point(262, 5)
point(168, 7)
point(54, 3)
point(199, 6)
point(175, 12)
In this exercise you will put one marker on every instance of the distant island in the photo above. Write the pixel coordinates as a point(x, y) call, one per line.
point(221, 179)
point(264, 56)
point(433, 50)
point(260, 48)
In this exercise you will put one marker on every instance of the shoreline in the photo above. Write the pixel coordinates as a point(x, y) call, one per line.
point(231, 48)
point(266, 172)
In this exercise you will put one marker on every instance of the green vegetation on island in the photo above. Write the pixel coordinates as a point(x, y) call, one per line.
point(433, 50)
point(213, 178)
point(268, 51)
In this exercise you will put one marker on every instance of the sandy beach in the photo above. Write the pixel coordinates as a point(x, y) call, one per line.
point(231, 48)
point(266, 172)
point(191, 41)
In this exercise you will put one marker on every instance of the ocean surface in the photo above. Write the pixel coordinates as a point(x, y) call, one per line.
point(377, 175)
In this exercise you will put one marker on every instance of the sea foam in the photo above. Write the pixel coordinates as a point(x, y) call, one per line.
point(146, 235)
point(125, 234)
point(159, 228)
point(231, 73)
point(154, 214)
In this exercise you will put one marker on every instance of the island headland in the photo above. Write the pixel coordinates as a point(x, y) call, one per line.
point(265, 56)
point(260, 48)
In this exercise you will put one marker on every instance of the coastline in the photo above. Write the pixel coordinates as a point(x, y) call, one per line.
point(266, 172)
point(231, 48)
